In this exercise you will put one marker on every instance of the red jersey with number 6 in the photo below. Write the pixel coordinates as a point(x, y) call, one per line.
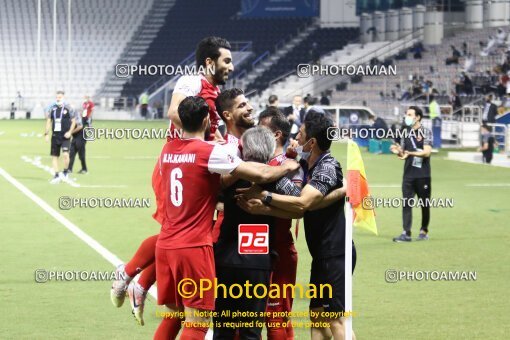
point(190, 181)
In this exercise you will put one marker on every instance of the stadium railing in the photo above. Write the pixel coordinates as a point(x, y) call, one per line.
point(321, 83)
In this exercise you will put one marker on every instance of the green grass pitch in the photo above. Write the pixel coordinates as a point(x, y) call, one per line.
point(471, 236)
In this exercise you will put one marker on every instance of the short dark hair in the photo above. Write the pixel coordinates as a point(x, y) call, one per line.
point(417, 111)
point(310, 100)
point(313, 114)
point(278, 121)
point(318, 128)
point(192, 111)
point(272, 99)
point(225, 100)
point(61, 92)
point(210, 48)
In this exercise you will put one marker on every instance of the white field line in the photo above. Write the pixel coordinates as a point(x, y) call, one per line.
point(36, 161)
point(108, 255)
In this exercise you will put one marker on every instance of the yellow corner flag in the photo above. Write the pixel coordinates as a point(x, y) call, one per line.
point(357, 190)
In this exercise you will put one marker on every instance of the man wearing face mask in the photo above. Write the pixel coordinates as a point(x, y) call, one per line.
point(324, 224)
point(415, 149)
point(60, 118)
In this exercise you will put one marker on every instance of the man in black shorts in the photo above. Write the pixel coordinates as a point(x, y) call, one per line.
point(415, 149)
point(324, 222)
point(60, 118)
point(78, 144)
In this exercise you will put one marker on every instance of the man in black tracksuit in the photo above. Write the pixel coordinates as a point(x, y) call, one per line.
point(415, 149)
point(78, 144)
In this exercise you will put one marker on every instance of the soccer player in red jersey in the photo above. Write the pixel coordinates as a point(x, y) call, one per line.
point(213, 55)
point(284, 271)
point(190, 171)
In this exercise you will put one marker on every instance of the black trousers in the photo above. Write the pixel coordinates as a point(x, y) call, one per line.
point(225, 326)
point(487, 157)
point(420, 187)
point(77, 145)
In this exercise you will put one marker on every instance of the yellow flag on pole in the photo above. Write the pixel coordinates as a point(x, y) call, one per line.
point(358, 191)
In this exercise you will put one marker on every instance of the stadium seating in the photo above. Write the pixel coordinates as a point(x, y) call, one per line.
point(320, 42)
point(100, 31)
point(441, 75)
point(189, 21)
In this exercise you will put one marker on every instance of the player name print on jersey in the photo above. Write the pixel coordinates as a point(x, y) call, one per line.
point(179, 158)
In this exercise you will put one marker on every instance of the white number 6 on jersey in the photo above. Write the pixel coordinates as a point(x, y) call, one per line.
point(176, 187)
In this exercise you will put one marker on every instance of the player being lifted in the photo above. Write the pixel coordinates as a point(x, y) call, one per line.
point(190, 170)
point(213, 54)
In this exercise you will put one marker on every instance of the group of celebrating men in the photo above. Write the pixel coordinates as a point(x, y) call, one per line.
point(245, 176)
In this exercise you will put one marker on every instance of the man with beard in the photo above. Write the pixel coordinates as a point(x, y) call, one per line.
point(236, 112)
point(213, 55)
point(234, 109)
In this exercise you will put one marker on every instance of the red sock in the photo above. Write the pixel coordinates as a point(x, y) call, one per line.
point(290, 331)
point(147, 277)
point(143, 257)
point(276, 333)
point(168, 329)
point(193, 333)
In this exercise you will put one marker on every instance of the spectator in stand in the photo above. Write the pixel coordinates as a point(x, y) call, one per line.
point(273, 100)
point(324, 99)
point(464, 85)
point(469, 63)
point(417, 89)
point(501, 84)
point(488, 83)
point(417, 50)
point(404, 94)
point(430, 89)
point(454, 59)
point(491, 45)
point(464, 49)
point(505, 65)
point(501, 37)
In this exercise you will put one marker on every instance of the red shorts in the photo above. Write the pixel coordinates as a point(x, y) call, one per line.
point(284, 272)
point(178, 274)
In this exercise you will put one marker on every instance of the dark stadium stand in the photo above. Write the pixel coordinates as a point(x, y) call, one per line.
point(190, 20)
point(315, 45)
